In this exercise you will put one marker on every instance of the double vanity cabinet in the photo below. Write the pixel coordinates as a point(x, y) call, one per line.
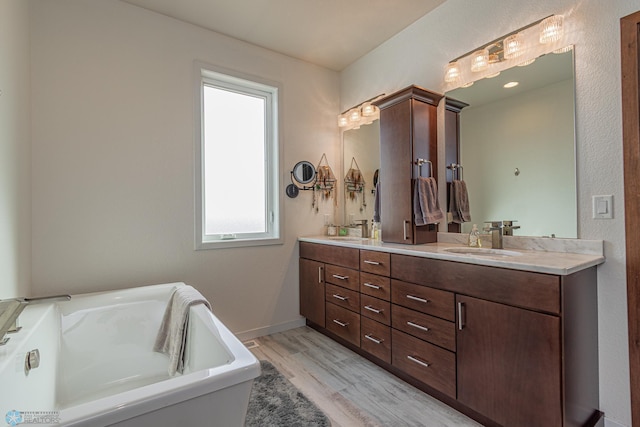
point(506, 346)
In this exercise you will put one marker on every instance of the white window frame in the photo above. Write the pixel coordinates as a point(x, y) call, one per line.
point(272, 93)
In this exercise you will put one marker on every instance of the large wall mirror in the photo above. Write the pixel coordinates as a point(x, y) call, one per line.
point(363, 145)
point(517, 147)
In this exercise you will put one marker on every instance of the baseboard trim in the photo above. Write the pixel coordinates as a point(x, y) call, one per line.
point(271, 329)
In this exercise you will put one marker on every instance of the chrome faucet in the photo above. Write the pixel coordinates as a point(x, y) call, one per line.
point(496, 228)
point(509, 227)
point(364, 226)
point(10, 310)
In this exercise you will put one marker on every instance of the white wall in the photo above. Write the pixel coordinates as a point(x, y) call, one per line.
point(113, 158)
point(418, 56)
point(15, 150)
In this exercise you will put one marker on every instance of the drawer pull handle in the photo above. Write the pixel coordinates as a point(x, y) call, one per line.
point(375, 310)
point(343, 324)
point(417, 298)
point(337, 276)
point(371, 285)
point(418, 361)
point(374, 339)
point(461, 316)
point(415, 325)
point(319, 274)
point(366, 261)
point(340, 297)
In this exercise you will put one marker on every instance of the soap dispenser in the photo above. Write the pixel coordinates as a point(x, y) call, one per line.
point(474, 237)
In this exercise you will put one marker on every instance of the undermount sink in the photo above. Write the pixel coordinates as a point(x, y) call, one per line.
point(482, 252)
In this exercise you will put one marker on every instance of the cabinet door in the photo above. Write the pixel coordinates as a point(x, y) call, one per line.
point(395, 173)
point(509, 363)
point(312, 292)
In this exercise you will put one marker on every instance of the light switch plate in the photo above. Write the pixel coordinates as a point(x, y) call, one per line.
point(602, 207)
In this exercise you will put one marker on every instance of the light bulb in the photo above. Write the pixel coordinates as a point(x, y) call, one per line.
point(513, 46)
point(354, 116)
point(452, 72)
point(368, 109)
point(551, 29)
point(480, 60)
point(342, 121)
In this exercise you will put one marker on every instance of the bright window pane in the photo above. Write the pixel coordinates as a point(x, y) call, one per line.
point(234, 162)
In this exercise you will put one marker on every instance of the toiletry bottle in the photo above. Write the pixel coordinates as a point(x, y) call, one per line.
point(374, 230)
point(474, 237)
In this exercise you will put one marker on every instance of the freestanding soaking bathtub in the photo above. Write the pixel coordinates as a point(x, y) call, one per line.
point(97, 366)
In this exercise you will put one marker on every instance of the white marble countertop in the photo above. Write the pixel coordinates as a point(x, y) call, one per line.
point(559, 263)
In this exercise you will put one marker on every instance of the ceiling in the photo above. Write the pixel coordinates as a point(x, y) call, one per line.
point(329, 33)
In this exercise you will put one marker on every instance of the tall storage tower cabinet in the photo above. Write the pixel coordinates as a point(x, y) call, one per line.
point(408, 149)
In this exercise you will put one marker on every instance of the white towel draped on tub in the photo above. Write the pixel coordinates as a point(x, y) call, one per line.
point(172, 337)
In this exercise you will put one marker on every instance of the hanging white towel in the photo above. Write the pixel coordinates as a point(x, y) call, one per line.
point(172, 336)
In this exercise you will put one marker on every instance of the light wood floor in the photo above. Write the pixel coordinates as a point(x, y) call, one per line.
point(349, 389)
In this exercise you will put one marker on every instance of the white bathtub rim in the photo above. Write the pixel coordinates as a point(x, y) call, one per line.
point(122, 406)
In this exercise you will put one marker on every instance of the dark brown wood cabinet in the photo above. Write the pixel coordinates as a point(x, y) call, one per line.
point(506, 347)
point(408, 132)
point(312, 291)
point(509, 363)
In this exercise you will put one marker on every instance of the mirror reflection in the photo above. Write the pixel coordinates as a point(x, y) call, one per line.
point(517, 147)
point(304, 172)
point(363, 145)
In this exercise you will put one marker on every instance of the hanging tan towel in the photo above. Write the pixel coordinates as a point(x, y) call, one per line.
point(459, 202)
point(426, 207)
point(172, 336)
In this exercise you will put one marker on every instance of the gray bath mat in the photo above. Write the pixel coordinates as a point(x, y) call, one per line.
point(275, 402)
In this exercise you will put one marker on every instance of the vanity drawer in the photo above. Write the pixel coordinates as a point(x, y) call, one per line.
point(433, 329)
point(375, 262)
point(375, 339)
point(343, 297)
point(341, 276)
point(376, 286)
point(375, 309)
point(344, 323)
point(424, 299)
point(338, 255)
point(425, 362)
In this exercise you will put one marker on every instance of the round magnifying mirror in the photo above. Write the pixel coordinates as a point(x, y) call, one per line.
point(304, 172)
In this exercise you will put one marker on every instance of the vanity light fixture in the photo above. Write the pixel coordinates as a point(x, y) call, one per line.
point(519, 47)
point(480, 60)
point(551, 29)
point(513, 46)
point(363, 114)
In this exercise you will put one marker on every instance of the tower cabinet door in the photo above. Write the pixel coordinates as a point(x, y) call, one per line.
point(395, 172)
point(312, 291)
point(509, 363)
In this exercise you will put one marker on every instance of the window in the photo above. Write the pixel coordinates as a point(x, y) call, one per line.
point(237, 162)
